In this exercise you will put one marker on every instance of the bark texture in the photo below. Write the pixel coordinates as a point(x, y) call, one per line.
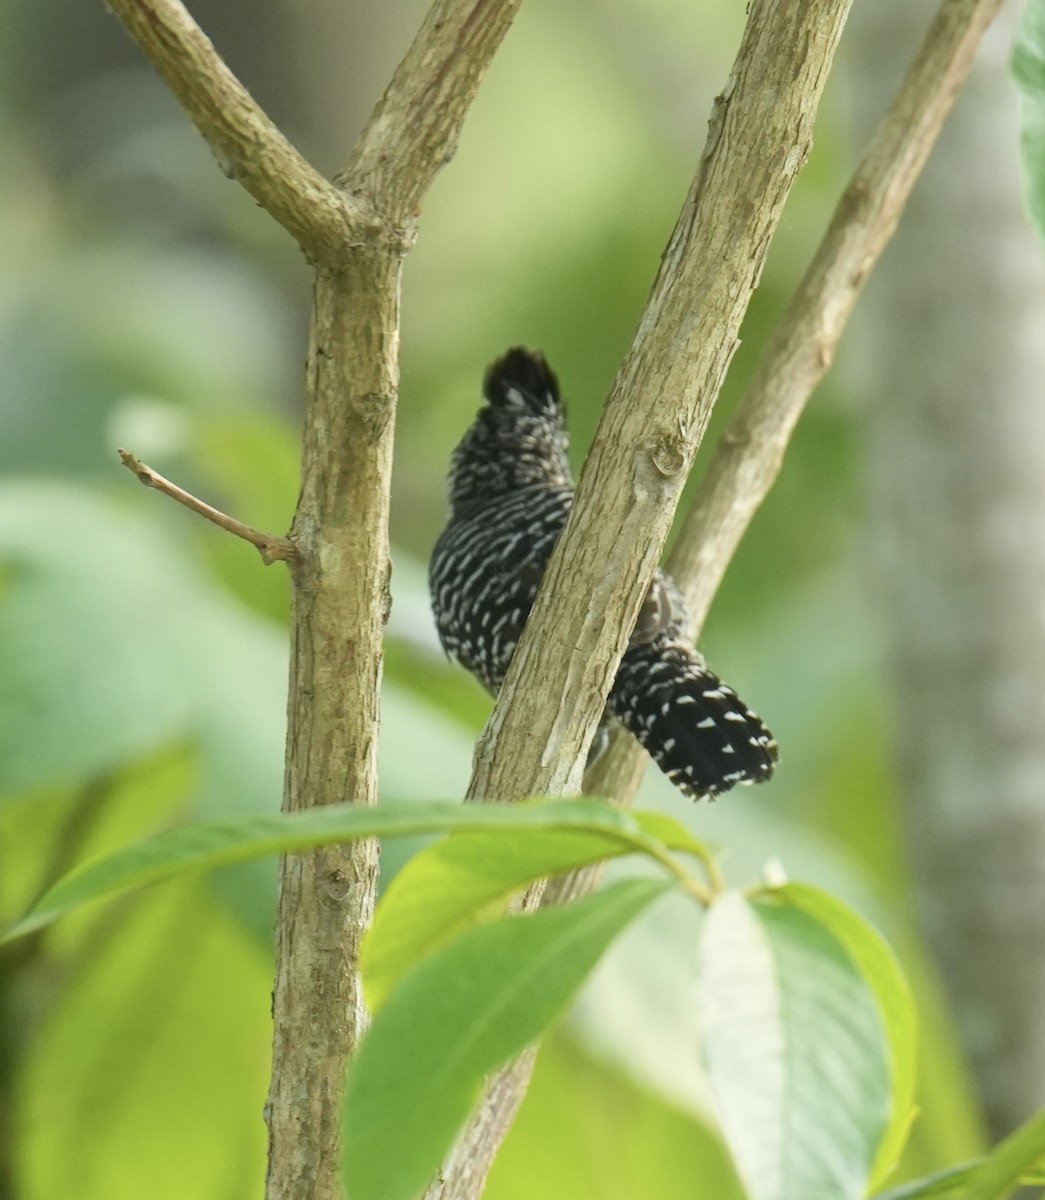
point(341, 599)
point(957, 451)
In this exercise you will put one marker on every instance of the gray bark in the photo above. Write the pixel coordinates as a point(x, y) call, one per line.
point(954, 385)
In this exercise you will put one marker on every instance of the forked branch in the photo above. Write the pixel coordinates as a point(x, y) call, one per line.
point(356, 231)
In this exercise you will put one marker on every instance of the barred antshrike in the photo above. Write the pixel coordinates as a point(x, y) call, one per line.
point(510, 492)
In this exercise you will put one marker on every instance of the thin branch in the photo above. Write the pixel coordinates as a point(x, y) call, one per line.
point(270, 547)
point(748, 456)
point(413, 131)
point(246, 143)
point(411, 135)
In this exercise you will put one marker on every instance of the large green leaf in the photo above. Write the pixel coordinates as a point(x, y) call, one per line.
point(471, 876)
point(219, 843)
point(796, 1051)
point(1028, 69)
point(881, 972)
point(457, 1016)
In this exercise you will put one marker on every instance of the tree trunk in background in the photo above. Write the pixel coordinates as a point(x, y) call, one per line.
point(955, 388)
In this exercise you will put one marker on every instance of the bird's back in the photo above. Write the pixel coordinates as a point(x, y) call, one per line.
point(484, 575)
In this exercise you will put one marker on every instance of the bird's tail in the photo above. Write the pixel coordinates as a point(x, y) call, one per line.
point(695, 728)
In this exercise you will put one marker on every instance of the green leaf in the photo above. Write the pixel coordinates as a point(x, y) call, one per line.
point(219, 843)
point(1002, 1171)
point(947, 1181)
point(1028, 69)
point(877, 965)
point(940, 1183)
point(470, 877)
point(795, 1051)
point(456, 1017)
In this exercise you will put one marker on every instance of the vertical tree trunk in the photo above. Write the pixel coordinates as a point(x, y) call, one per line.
point(957, 424)
point(327, 897)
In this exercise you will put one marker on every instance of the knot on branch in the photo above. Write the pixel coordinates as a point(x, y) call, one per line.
point(668, 454)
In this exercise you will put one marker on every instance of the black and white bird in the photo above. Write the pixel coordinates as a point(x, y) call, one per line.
point(510, 492)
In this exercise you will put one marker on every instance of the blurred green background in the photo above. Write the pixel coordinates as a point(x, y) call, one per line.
point(145, 301)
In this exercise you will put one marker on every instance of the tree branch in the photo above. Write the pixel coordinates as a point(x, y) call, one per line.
point(411, 134)
point(246, 143)
point(356, 232)
point(414, 129)
point(748, 456)
point(340, 605)
point(271, 548)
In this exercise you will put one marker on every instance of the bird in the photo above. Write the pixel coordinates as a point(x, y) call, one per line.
point(511, 490)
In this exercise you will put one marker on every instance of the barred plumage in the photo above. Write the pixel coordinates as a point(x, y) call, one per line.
point(510, 492)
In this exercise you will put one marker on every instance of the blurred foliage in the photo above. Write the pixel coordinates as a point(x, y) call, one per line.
point(587, 1130)
point(144, 300)
point(1028, 70)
